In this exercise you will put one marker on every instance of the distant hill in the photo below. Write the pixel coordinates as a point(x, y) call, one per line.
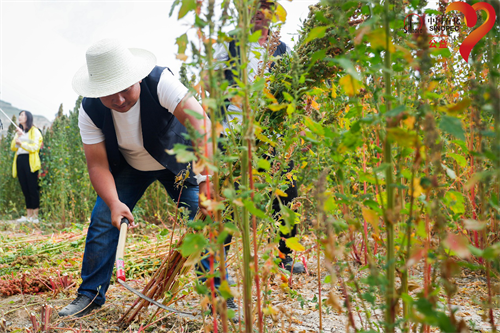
point(38, 121)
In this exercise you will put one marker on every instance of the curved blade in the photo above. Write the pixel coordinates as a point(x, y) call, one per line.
point(158, 304)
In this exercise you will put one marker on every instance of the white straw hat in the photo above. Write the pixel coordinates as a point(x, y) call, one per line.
point(111, 68)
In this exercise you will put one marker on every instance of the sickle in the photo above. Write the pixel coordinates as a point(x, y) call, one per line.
point(120, 273)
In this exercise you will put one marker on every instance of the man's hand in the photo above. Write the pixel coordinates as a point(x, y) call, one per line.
point(118, 212)
point(204, 189)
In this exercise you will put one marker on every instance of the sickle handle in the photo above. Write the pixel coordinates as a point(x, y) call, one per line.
point(120, 264)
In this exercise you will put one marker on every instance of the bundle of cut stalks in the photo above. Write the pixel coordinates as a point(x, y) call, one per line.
point(164, 280)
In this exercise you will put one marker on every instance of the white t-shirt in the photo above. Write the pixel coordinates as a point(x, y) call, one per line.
point(255, 57)
point(24, 138)
point(128, 125)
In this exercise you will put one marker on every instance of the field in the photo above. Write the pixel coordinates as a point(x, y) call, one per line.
point(45, 254)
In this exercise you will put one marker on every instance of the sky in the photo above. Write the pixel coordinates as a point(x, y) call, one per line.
point(43, 43)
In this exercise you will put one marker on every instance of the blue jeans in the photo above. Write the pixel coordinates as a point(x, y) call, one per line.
point(102, 236)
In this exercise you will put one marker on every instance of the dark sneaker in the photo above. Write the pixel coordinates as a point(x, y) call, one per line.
point(80, 307)
point(286, 263)
point(232, 306)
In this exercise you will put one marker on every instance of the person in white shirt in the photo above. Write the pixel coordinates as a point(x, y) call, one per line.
point(132, 114)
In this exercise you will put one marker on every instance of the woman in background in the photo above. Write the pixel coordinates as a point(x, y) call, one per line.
point(27, 143)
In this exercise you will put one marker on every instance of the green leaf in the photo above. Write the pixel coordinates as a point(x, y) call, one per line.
point(254, 38)
point(200, 288)
point(444, 52)
point(254, 210)
point(293, 243)
point(182, 153)
point(396, 111)
point(402, 137)
point(291, 218)
point(230, 227)
point(378, 40)
point(421, 231)
point(187, 6)
point(181, 42)
point(196, 225)
point(193, 243)
point(348, 66)
point(406, 298)
point(453, 126)
point(330, 204)
point(455, 200)
point(287, 96)
point(349, 4)
point(277, 107)
point(492, 252)
point(264, 164)
point(317, 32)
point(459, 159)
point(314, 126)
point(475, 251)
point(350, 85)
point(225, 290)
point(318, 55)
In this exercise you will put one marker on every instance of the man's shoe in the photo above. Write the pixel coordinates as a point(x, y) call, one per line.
point(298, 268)
point(232, 306)
point(80, 307)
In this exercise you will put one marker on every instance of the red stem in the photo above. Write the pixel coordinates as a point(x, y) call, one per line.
point(255, 253)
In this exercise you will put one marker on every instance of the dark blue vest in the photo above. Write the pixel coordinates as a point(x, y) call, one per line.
point(160, 129)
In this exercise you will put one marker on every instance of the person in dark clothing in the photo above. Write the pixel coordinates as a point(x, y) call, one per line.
point(233, 117)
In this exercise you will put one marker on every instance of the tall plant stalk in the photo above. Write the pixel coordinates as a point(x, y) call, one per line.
point(214, 93)
point(243, 24)
point(388, 216)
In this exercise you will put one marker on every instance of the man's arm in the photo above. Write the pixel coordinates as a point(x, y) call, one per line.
point(104, 183)
point(199, 125)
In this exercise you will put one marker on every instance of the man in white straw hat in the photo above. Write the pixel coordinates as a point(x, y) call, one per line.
point(132, 113)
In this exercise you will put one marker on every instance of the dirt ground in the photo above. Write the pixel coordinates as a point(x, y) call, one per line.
point(292, 309)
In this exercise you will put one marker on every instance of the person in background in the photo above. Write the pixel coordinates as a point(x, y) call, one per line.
point(26, 144)
point(233, 117)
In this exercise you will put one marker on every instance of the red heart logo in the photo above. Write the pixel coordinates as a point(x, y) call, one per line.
point(471, 20)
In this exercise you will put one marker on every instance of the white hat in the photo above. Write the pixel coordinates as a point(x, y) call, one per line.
point(111, 68)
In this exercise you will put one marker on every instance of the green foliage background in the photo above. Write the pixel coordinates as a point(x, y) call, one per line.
point(396, 148)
